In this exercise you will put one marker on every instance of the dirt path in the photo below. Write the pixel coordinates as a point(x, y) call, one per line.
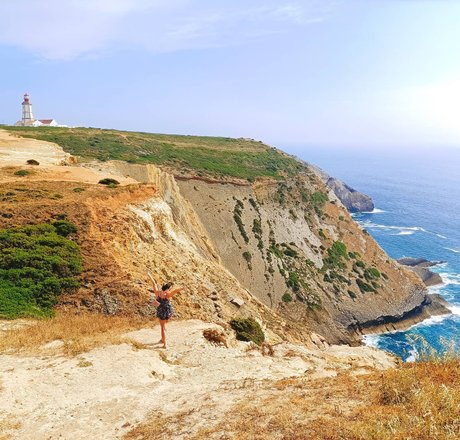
point(103, 393)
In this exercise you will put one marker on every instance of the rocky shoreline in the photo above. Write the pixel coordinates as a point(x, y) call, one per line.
point(420, 267)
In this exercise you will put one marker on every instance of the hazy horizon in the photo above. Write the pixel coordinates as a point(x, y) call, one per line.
point(326, 74)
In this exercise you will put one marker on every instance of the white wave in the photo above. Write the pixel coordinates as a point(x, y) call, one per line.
point(413, 355)
point(402, 230)
point(456, 251)
point(449, 278)
point(374, 211)
point(405, 233)
point(454, 309)
point(371, 340)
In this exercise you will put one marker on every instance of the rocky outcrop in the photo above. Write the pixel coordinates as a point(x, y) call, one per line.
point(420, 267)
point(352, 199)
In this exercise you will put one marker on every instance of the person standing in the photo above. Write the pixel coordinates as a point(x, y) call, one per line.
point(163, 304)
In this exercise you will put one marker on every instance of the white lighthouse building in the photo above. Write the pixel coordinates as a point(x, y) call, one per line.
point(28, 119)
point(27, 115)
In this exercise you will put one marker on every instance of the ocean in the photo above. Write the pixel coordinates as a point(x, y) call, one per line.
point(416, 194)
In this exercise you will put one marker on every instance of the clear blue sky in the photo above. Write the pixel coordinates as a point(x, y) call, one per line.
point(352, 73)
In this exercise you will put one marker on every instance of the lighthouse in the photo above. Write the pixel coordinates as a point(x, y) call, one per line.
point(27, 115)
point(28, 119)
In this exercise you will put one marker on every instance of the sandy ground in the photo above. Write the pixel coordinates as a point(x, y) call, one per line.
point(55, 164)
point(102, 394)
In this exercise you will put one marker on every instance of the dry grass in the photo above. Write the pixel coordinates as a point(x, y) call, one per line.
point(78, 333)
point(414, 401)
point(417, 401)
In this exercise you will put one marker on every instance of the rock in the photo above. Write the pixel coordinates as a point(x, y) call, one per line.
point(237, 301)
point(353, 200)
point(419, 266)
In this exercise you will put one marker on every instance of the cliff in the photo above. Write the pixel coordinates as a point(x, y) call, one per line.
point(265, 239)
point(352, 199)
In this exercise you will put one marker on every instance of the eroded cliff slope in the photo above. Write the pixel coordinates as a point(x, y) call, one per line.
point(263, 238)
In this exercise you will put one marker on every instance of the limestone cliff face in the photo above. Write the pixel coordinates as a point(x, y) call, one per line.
point(296, 248)
point(286, 252)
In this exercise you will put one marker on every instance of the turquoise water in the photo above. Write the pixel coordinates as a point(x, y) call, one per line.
point(418, 215)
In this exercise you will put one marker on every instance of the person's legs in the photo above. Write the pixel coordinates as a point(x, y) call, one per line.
point(163, 331)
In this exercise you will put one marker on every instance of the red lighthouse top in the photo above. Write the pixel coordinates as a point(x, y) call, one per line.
point(26, 98)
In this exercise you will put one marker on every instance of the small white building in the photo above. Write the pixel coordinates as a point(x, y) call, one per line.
point(28, 119)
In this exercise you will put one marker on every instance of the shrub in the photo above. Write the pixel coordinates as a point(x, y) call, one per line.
point(36, 265)
point(351, 293)
point(109, 181)
point(322, 234)
point(336, 253)
point(360, 263)
point(237, 211)
point(248, 329)
point(286, 298)
point(64, 227)
point(364, 287)
point(22, 173)
point(371, 273)
point(32, 162)
point(78, 190)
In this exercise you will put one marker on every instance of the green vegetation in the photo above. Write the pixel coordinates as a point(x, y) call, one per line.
point(108, 181)
point(363, 286)
point(33, 162)
point(22, 173)
point(37, 263)
point(237, 212)
point(248, 257)
point(286, 298)
point(246, 159)
point(322, 234)
point(361, 264)
point(248, 329)
point(371, 273)
point(337, 253)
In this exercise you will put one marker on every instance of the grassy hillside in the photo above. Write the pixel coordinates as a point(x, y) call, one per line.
point(219, 156)
point(37, 263)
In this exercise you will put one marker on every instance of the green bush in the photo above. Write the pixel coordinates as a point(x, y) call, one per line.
point(371, 273)
point(248, 329)
point(108, 181)
point(286, 298)
point(78, 189)
point(36, 265)
point(336, 254)
point(364, 287)
point(64, 227)
point(361, 264)
point(352, 294)
point(22, 173)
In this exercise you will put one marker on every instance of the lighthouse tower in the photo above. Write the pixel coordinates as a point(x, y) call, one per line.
point(27, 115)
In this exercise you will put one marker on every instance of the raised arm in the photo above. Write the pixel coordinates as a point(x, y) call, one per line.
point(154, 283)
point(175, 291)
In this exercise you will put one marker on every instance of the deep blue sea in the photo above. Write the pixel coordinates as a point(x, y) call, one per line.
point(417, 196)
